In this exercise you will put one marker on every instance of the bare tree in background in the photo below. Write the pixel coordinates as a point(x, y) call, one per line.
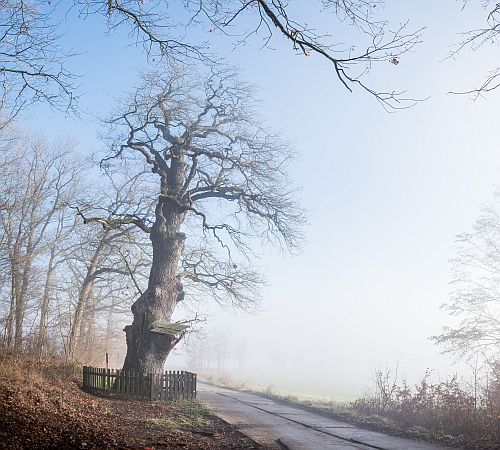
point(32, 66)
point(219, 176)
point(475, 295)
point(476, 39)
point(241, 353)
point(210, 350)
point(100, 262)
point(37, 184)
point(105, 252)
point(62, 245)
point(65, 288)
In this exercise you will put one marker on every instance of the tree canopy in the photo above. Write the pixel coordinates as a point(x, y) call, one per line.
point(34, 58)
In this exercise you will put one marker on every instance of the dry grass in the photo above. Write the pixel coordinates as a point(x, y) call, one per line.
point(32, 371)
point(188, 413)
point(467, 411)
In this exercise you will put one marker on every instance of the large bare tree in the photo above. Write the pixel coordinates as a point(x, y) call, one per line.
point(221, 184)
point(475, 295)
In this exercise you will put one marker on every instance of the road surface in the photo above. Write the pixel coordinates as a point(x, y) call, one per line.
point(278, 426)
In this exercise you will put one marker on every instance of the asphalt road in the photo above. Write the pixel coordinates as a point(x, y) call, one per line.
point(278, 426)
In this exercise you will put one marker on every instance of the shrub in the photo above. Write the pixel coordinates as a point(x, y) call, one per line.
point(448, 407)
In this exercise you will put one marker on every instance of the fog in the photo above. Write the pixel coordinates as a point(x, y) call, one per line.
point(386, 194)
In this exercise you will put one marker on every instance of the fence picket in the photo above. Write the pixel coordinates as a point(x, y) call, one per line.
point(183, 384)
point(168, 385)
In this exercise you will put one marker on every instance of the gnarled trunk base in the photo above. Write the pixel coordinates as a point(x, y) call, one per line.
point(147, 350)
point(149, 341)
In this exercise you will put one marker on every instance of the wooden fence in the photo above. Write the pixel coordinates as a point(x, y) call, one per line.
point(146, 386)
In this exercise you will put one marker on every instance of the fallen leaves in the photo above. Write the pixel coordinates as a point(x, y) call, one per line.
point(43, 414)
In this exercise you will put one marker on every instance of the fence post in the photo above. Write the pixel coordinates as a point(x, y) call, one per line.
point(176, 381)
point(167, 385)
point(194, 381)
point(178, 384)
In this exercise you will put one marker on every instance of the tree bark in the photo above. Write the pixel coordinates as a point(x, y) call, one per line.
point(88, 350)
point(21, 297)
point(85, 291)
point(9, 325)
point(147, 350)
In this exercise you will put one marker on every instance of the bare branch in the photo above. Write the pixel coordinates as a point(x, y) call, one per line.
point(32, 68)
point(109, 223)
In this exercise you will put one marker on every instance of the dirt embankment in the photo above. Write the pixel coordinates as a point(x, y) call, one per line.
point(42, 406)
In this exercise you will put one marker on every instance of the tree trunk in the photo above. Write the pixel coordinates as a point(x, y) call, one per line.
point(147, 350)
point(88, 350)
point(21, 298)
point(44, 309)
point(110, 330)
point(85, 292)
point(9, 324)
point(23, 282)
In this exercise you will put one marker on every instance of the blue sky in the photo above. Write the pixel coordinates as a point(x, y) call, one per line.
point(387, 193)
